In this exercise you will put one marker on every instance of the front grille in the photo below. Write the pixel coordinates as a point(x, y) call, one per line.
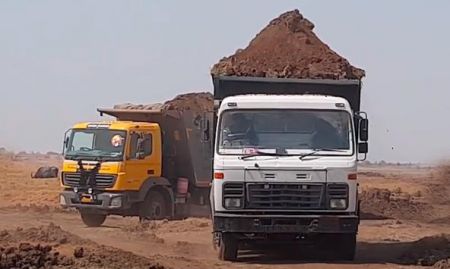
point(102, 181)
point(284, 196)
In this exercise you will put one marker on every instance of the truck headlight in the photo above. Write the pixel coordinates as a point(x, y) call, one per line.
point(232, 203)
point(116, 202)
point(338, 203)
point(62, 200)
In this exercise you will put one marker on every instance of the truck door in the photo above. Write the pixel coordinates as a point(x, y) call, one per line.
point(143, 157)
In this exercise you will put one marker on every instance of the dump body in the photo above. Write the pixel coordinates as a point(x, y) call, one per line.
point(186, 142)
point(231, 86)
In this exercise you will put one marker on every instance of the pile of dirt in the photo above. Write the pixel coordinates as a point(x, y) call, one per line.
point(42, 234)
point(428, 251)
point(26, 255)
point(287, 48)
point(197, 102)
point(51, 247)
point(187, 225)
point(383, 203)
point(202, 101)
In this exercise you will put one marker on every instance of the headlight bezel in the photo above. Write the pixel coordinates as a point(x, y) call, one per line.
point(338, 203)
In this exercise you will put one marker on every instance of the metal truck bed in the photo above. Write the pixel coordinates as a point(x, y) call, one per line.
point(187, 142)
point(225, 86)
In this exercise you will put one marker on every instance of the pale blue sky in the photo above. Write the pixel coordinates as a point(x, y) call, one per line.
point(60, 60)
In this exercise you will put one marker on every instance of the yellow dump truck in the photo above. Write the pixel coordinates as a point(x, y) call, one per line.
point(153, 164)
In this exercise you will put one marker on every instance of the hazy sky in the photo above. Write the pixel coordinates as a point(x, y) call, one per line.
point(60, 60)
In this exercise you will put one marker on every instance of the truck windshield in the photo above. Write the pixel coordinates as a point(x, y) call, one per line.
point(292, 131)
point(96, 144)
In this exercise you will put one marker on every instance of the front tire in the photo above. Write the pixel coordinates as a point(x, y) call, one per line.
point(154, 207)
point(228, 248)
point(340, 247)
point(92, 220)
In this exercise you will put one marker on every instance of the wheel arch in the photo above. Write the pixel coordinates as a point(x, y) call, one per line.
point(161, 185)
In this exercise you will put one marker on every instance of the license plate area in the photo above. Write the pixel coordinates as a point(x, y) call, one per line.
point(87, 198)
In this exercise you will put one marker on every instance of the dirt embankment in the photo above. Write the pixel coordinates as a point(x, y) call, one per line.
point(287, 48)
point(384, 203)
point(409, 194)
point(51, 247)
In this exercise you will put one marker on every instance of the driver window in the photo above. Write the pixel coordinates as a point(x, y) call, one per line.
point(82, 140)
point(140, 145)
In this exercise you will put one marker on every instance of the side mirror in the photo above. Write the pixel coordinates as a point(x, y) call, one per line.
point(66, 140)
point(204, 125)
point(364, 130)
point(363, 147)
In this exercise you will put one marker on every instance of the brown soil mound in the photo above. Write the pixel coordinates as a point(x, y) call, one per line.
point(287, 48)
point(32, 256)
point(434, 250)
point(197, 102)
point(383, 203)
point(202, 101)
point(27, 255)
point(22, 248)
point(43, 234)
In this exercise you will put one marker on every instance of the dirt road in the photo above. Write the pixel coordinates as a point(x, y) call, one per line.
point(187, 244)
point(390, 239)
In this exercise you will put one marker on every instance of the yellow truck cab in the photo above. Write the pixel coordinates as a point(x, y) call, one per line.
point(138, 165)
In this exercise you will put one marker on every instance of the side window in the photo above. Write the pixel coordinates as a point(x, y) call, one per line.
point(134, 145)
point(146, 144)
point(140, 145)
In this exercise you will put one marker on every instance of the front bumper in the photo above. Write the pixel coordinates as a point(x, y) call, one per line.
point(105, 201)
point(266, 224)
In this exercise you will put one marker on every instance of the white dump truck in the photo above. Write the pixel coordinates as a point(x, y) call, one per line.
point(285, 163)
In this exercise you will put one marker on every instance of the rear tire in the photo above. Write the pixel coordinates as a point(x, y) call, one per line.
point(228, 248)
point(92, 220)
point(154, 207)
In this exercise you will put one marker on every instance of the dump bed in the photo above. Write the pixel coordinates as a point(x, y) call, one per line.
point(225, 86)
point(186, 138)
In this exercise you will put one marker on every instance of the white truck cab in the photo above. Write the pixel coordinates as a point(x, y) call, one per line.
point(285, 168)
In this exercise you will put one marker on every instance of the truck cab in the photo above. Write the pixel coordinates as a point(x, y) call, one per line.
point(137, 165)
point(285, 164)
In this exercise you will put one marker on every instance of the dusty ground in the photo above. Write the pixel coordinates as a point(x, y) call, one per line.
point(388, 239)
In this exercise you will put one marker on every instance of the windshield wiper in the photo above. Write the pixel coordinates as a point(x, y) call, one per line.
point(314, 151)
point(262, 153)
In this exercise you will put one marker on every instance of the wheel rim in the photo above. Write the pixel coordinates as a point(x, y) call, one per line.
point(156, 211)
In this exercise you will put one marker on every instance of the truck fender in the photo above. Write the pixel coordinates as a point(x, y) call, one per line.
point(159, 182)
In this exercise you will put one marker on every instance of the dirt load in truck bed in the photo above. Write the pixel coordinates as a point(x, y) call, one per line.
point(287, 48)
point(195, 101)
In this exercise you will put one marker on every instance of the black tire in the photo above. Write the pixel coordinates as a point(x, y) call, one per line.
point(340, 247)
point(228, 248)
point(154, 207)
point(92, 220)
point(347, 247)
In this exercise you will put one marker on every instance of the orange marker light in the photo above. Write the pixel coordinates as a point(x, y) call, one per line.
point(218, 175)
point(352, 176)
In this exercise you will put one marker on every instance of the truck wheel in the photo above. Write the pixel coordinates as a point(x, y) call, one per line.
point(228, 248)
point(92, 220)
point(346, 247)
point(154, 207)
point(341, 247)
